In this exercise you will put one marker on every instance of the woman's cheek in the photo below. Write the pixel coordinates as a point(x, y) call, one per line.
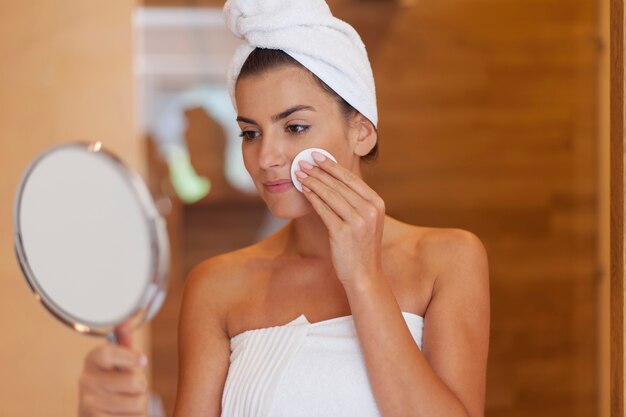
point(339, 149)
point(246, 158)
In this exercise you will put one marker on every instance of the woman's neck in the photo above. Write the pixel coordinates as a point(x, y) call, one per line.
point(307, 236)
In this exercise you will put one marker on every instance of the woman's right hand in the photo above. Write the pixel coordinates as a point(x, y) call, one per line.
point(113, 381)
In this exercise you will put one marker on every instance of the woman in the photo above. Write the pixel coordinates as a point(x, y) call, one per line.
point(343, 312)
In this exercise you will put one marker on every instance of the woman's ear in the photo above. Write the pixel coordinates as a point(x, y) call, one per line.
point(364, 135)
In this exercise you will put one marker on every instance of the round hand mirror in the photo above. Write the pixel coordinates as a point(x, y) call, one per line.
point(89, 239)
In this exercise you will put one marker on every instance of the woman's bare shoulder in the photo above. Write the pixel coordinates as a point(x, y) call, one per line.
point(440, 246)
point(450, 262)
point(204, 351)
point(449, 242)
point(222, 279)
point(228, 268)
point(457, 257)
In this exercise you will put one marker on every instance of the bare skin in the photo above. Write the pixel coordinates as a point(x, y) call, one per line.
point(340, 255)
point(113, 381)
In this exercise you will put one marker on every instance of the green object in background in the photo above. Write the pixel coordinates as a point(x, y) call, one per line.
point(189, 186)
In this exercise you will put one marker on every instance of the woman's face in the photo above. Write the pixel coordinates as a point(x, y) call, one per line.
point(282, 112)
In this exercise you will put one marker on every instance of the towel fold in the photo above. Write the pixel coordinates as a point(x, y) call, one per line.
point(307, 31)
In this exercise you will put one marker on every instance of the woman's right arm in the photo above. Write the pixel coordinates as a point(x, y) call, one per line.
point(113, 381)
point(203, 342)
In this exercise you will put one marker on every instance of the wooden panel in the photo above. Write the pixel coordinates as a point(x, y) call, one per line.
point(617, 208)
point(488, 121)
point(66, 74)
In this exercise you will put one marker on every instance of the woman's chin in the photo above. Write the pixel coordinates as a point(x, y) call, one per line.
point(291, 210)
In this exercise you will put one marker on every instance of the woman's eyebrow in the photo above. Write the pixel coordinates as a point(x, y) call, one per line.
point(290, 111)
point(280, 115)
point(246, 120)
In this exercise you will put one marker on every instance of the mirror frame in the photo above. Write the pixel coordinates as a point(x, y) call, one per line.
point(156, 288)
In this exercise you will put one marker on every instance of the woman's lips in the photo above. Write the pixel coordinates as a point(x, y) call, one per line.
point(278, 186)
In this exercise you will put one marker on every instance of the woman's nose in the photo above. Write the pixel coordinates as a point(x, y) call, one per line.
point(272, 154)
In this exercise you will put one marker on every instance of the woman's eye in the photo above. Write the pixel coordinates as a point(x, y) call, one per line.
point(248, 135)
point(297, 129)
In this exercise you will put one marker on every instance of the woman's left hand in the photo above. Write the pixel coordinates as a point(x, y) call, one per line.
point(354, 215)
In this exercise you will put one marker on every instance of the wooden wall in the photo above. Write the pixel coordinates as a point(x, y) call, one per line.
point(618, 290)
point(604, 208)
point(65, 75)
point(489, 122)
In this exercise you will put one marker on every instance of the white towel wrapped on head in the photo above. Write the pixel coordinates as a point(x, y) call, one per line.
point(308, 32)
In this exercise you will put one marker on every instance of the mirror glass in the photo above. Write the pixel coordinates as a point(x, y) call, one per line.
point(89, 239)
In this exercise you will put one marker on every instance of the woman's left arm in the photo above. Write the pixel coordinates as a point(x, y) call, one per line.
point(448, 377)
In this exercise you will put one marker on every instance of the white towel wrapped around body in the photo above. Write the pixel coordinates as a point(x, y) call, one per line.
point(307, 31)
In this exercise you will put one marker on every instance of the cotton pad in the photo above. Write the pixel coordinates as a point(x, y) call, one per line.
point(305, 155)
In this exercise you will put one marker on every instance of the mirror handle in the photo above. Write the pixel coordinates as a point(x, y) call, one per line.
point(113, 337)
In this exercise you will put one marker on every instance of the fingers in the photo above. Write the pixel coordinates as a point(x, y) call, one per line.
point(112, 357)
point(332, 183)
point(125, 383)
point(113, 383)
point(328, 216)
point(112, 404)
point(124, 334)
point(341, 191)
point(345, 176)
point(329, 195)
